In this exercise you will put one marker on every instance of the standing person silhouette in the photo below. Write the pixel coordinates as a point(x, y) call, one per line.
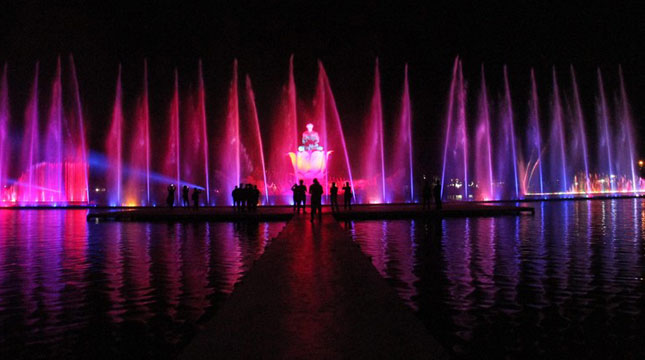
point(236, 197)
point(184, 196)
point(296, 199)
point(427, 193)
point(256, 196)
point(347, 195)
point(195, 197)
point(333, 197)
point(436, 192)
point(170, 200)
point(243, 196)
point(302, 195)
point(316, 191)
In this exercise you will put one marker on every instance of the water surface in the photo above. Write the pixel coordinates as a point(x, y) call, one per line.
point(72, 289)
point(568, 281)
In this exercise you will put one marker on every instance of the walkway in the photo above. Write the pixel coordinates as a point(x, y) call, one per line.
point(314, 295)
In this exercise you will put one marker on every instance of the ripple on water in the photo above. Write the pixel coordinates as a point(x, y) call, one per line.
point(73, 289)
point(567, 281)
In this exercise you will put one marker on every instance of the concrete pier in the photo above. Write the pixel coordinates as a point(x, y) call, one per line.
point(284, 213)
point(314, 295)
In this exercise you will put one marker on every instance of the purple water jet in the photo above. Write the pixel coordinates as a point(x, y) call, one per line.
point(510, 123)
point(4, 135)
point(581, 133)
point(114, 146)
point(448, 122)
point(483, 148)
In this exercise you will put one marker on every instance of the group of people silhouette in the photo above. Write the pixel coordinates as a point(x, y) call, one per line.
point(316, 192)
point(245, 197)
point(185, 191)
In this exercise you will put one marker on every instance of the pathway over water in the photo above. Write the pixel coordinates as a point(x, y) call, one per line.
point(313, 294)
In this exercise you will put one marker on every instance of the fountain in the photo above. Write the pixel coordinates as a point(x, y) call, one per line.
point(556, 166)
point(485, 155)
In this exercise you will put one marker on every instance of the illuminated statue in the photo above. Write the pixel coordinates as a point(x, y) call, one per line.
point(311, 159)
point(310, 140)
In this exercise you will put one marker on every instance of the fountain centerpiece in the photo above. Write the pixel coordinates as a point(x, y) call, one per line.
point(311, 159)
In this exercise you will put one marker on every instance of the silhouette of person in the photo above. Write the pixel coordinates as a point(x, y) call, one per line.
point(436, 192)
point(256, 196)
point(170, 200)
point(248, 196)
point(242, 192)
point(333, 197)
point(302, 196)
point(195, 197)
point(236, 197)
point(427, 193)
point(316, 191)
point(184, 196)
point(347, 195)
point(296, 200)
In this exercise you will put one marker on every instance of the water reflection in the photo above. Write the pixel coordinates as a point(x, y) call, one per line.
point(72, 289)
point(565, 282)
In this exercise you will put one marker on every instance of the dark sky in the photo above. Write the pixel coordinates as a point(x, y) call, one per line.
point(346, 37)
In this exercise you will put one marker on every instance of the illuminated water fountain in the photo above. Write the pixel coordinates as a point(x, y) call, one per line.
point(526, 164)
point(493, 149)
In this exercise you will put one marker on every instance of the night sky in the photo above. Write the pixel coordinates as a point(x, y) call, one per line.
point(347, 38)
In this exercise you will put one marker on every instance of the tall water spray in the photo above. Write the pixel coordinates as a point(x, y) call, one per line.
point(81, 131)
point(535, 136)
point(463, 129)
point(373, 164)
point(202, 116)
point(557, 140)
point(605, 145)
point(626, 126)
point(448, 122)
point(114, 147)
point(335, 130)
point(510, 124)
point(253, 113)
point(54, 154)
point(580, 127)
point(229, 153)
point(5, 145)
point(30, 143)
point(401, 175)
point(483, 148)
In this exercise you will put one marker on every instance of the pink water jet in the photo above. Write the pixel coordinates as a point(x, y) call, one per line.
point(373, 154)
point(253, 113)
point(402, 176)
point(5, 145)
point(202, 113)
point(483, 148)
